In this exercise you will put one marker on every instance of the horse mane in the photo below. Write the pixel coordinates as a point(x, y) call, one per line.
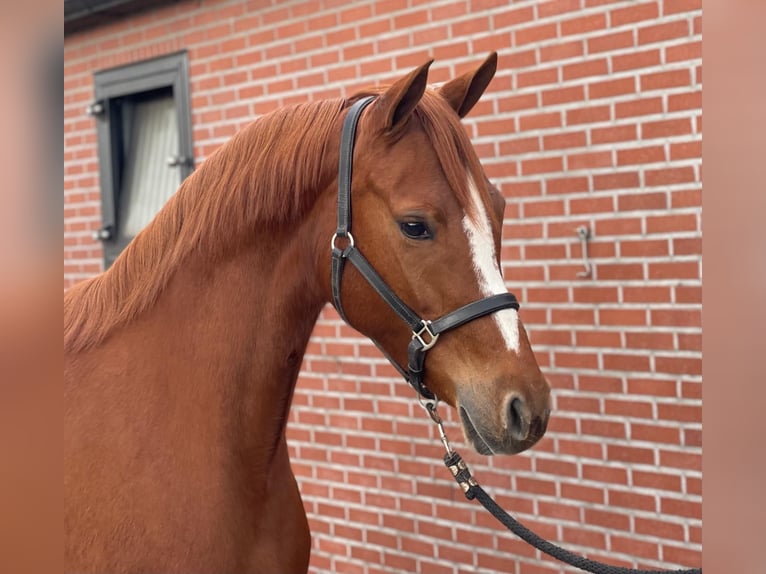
point(267, 174)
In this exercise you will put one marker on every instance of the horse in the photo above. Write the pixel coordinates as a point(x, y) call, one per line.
point(181, 359)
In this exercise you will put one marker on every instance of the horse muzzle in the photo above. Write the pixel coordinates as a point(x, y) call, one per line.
point(511, 429)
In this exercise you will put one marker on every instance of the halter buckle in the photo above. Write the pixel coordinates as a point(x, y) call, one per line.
point(425, 329)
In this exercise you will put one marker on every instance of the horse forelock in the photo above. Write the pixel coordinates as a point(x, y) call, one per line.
point(453, 149)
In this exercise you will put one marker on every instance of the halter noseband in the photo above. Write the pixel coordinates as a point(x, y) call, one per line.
point(425, 333)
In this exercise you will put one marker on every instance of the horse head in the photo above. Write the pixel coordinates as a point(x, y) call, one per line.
point(429, 222)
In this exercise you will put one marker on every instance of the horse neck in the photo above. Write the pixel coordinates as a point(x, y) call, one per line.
point(237, 330)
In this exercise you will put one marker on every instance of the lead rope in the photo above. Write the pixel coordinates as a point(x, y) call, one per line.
point(472, 490)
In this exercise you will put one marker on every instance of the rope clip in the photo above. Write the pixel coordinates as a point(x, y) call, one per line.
point(430, 407)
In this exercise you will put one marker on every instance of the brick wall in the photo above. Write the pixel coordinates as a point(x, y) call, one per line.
point(594, 118)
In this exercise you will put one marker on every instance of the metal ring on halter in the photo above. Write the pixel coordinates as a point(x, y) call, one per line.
point(347, 235)
point(430, 407)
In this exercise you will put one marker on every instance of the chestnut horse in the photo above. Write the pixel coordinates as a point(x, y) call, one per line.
point(181, 359)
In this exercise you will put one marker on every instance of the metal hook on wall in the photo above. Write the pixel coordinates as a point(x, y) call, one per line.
point(584, 234)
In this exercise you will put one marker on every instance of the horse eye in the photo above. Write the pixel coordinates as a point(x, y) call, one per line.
point(415, 229)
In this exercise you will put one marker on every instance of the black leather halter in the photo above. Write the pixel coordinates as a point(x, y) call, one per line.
point(424, 333)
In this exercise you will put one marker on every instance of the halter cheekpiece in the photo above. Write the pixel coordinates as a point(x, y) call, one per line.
point(425, 333)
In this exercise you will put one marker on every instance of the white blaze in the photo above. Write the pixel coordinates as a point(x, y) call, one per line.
point(485, 264)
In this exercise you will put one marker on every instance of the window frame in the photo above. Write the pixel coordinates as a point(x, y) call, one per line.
point(169, 71)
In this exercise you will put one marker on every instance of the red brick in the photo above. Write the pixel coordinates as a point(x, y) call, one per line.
point(540, 121)
point(685, 508)
point(573, 316)
point(537, 77)
point(686, 150)
point(497, 127)
point(589, 160)
point(613, 134)
point(541, 165)
point(629, 545)
point(547, 294)
point(652, 387)
point(591, 205)
point(650, 340)
point(611, 88)
point(516, 60)
point(586, 115)
point(654, 433)
point(583, 537)
point(636, 60)
point(666, 128)
point(624, 271)
point(584, 493)
point(634, 13)
point(561, 51)
point(548, 337)
point(682, 555)
point(630, 408)
point(517, 102)
point(664, 80)
point(581, 448)
point(679, 365)
point(684, 459)
point(662, 529)
point(594, 294)
point(583, 24)
point(583, 69)
point(610, 520)
point(546, 251)
point(618, 226)
point(685, 101)
point(430, 35)
point(678, 6)
point(638, 107)
point(513, 16)
point(533, 34)
point(602, 428)
point(664, 31)
point(684, 52)
point(688, 294)
point(563, 140)
point(616, 453)
point(690, 341)
point(610, 42)
point(399, 562)
point(566, 185)
point(576, 360)
point(674, 270)
point(622, 317)
point(671, 223)
point(496, 563)
point(624, 362)
point(641, 201)
point(563, 95)
point(675, 317)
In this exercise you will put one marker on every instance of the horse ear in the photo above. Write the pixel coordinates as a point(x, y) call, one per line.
point(397, 102)
point(462, 93)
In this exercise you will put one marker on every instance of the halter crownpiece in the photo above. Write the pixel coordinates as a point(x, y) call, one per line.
point(425, 333)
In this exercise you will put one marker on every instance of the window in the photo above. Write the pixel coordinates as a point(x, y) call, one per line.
point(144, 144)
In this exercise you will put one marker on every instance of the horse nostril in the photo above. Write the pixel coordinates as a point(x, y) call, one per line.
point(518, 418)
